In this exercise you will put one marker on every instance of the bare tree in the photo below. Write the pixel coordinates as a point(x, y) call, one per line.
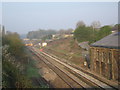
point(61, 31)
point(80, 23)
point(96, 24)
point(69, 31)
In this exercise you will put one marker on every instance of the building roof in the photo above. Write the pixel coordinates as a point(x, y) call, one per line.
point(110, 41)
point(84, 45)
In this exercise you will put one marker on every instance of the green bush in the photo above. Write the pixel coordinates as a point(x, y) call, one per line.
point(85, 33)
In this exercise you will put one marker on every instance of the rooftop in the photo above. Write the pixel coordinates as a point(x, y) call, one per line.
point(110, 41)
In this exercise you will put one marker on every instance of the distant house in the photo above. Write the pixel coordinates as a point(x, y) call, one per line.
point(26, 39)
point(44, 44)
point(29, 44)
point(105, 56)
point(115, 28)
point(68, 35)
point(53, 36)
point(84, 45)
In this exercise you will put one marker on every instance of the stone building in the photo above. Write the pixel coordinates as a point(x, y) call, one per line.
point(105, 56)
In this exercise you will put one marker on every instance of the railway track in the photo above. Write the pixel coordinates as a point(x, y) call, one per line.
point(89, 79)
point(110, 83)
point(42, 82)
point(64, 76)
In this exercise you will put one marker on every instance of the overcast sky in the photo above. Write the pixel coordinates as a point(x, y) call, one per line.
point(22, 17)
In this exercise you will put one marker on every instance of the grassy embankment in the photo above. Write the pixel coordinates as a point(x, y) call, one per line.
point(32, 71)
point(67, 49)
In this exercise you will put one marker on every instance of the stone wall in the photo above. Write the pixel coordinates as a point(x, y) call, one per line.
point(105, 61)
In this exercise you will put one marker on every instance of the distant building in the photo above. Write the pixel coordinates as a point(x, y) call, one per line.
point(84, 45)
point(115, 28)
point(44, 44)
point(39, 44)
point(34, 39)
point(68, 35)
point(105, 56)
point(53, 36)
point(29, 44)
point(26, 39)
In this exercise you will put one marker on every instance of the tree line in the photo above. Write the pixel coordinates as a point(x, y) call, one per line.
point(82, 32)
point(92, 33)
point(43, 34)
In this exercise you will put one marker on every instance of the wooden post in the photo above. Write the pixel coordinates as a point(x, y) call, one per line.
point(113, 77)
point(107, 62)
point(106, 66)
point(92, 59)
point(100, 53)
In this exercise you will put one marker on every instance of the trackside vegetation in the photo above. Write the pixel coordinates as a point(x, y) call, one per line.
point(13, 62)
point(88, 33)
point(18, 67)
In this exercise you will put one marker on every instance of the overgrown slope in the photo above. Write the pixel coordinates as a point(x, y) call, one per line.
point(68, 49)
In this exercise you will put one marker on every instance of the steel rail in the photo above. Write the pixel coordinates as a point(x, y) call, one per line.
point(93, 80)
point(71, 86)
